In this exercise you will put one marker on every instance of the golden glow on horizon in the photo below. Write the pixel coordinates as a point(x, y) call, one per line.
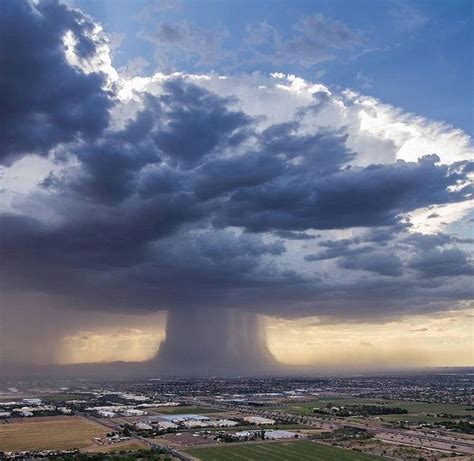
point(444, 339)
point(134, 343)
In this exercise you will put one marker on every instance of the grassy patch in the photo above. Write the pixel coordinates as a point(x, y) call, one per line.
point(50, 434)
point(281, 451)
point(417, 411)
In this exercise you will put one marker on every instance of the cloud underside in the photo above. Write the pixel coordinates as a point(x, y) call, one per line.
point(190, 200)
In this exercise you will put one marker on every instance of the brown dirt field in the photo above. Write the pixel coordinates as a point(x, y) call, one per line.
point(129, 445)
point(186, 439)
point(37, 419)
point(52, 433)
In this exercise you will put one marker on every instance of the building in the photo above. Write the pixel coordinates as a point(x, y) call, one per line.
point(106, 413)
point(167, 425)
point(133, 412)
point(192, 423)
point(226, 423)
point(259, 420)
point(143, 426)
point(32, 401)
point(276, 435)
point(243, 434)
point(186, 417)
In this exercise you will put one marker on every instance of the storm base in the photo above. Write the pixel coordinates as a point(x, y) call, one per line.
point(214, 342)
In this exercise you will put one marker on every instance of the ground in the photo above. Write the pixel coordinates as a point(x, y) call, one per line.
point(63, 396)
point(281, 451)
point(418, 412)
point(182, 410)
point(60, 433)
point(130, 445)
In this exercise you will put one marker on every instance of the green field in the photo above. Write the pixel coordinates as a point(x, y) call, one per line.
point(417, 411)
point(281, 451)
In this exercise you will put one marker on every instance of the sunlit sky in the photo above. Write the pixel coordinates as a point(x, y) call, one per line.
point(412, 341)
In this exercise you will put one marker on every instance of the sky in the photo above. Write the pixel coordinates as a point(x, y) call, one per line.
point(206, 186)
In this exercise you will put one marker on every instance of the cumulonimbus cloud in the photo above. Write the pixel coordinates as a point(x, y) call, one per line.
point(181, 190)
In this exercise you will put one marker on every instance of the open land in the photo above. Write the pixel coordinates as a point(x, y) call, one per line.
point(49, 434)
point(283, 451)
point(407, 417)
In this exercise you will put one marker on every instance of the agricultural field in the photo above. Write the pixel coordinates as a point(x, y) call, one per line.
point(130, 445)
point(51, 433)
point(283, 451)
point(417, 411)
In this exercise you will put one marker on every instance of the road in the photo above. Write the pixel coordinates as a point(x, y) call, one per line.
point(403, 436)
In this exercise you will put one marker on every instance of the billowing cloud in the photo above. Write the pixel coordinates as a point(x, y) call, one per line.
point(45, 100)
point(269, 195)
point(442, 263)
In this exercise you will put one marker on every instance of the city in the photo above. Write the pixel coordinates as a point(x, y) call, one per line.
point(411, 416)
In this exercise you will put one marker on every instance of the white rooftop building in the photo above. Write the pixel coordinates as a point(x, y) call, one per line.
point(243, 434)
point(226, 423)
point(133, 412)
point(136, 398)
point(192, 423)
point(275, 435)
point(106, 413)
point(32, 401)
point(181, 418)
point(167, 425)
point(143, 426)
point(258, 420)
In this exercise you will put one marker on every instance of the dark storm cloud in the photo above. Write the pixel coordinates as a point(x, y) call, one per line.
point(111, 264)
point(152, 203)
point(378, 262)
point(383, 235)
point(323, 152)
point(110, 165)
point(337, 248)
point(43, 99)
point(295, 235)
point(363, 257)
point(438, 262)
point(160, 180)
point(376, 195)
point(428, 241)
point(198, 123)
point(139, 217)
point(182, 128)
point(377, 250)
point(229, 175)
